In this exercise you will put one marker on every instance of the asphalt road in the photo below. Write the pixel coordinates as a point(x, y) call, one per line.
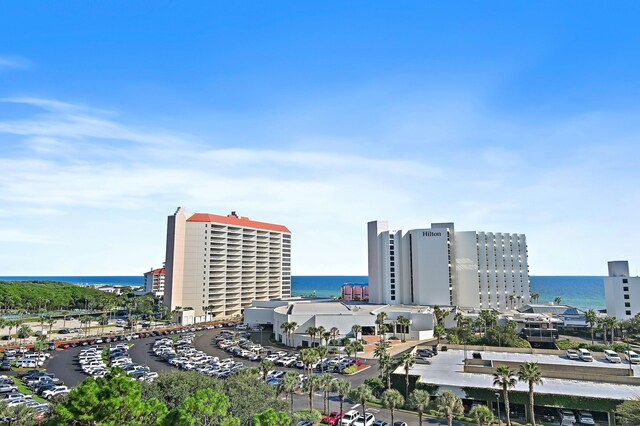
point(64, 365)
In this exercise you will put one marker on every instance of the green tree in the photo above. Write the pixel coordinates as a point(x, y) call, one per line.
point(250, 395)
point(628, 413)
point(404, 324)
point(557, 300)
point(380, 319)
point(481, 414)
point(325, 383)
point(392, 399)
point(308, 357)
point(342, 387)
point(311, 385)
point(21, 415)
point(24, 332)
point(173, 387)
point(313, 416)
point(266, 366)
point(419, 401)
point(312, 332)
point(407, 361)
point(361, 395)
point(322, 352)
point(356, 329)
point(450, 405)
point(591, 318)
point(289, 385)
point(530, 373)
point(505, 379)
point(439, 331)
point(206, 408)
point(270, 417)
point(115, 399)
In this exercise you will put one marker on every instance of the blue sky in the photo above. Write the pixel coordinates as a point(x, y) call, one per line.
point(499, 116)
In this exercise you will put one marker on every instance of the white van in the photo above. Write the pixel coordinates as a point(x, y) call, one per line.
point(349, 417)
point(612, 356)
point(632, 357)
point(585, 355)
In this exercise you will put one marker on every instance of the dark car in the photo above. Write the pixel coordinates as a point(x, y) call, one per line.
point(5, 366)
point(64, 331)
point(381, 423)
point(5, 337)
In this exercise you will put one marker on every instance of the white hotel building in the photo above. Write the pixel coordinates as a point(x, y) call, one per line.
point(225, 262)
point(621, 292)
point(439, 266)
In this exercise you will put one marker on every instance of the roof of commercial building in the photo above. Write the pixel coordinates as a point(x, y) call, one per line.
point(550, 309)
point(236, 220)
point(158, 271)
point(446, 370)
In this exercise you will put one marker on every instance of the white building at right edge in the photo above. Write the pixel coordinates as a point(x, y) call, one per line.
point(621, 292)
point(439, 266)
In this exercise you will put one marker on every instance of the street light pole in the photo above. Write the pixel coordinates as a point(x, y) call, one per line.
point(498, 404)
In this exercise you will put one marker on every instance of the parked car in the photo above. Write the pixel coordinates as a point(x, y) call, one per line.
point(333, 418)
point(367, 420)
point(567, 415)
point(632, 357)
point(612, 356)
point(586, 418)
point(573, 354)
point(585, 355)
point(349, 417)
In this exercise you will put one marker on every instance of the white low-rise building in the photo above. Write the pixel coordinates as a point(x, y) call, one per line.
point(622, 292)
point(330, 313)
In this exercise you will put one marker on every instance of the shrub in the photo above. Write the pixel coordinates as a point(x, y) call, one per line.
point(350, 370)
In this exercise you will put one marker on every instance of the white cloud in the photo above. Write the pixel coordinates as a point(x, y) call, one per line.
point(14, 62)
point(99, 181)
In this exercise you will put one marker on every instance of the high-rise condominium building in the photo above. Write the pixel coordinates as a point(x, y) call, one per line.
point(621, 292)
point(154, 282)
point(438, 266)
point(221, 264)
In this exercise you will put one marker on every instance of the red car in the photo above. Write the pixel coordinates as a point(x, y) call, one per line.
point(333, 418)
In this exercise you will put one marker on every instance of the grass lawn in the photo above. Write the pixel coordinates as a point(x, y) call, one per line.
point(22, 388)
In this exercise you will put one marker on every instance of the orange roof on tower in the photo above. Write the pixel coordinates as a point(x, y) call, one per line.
point(235, 220)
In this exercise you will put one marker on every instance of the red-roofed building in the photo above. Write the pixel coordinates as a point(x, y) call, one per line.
point(218, 265)
point(154, 282)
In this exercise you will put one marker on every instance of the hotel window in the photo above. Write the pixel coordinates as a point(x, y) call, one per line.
point(627, 304)
point(626, 296)
point(625, 281)
point(627, 312)
point(625, 288)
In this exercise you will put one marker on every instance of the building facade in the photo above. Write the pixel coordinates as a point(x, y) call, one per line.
point(439, 266)
point(154, 282)
point(219, 265)
point(621, 292)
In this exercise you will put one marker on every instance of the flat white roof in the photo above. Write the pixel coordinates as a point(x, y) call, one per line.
point(446, 369)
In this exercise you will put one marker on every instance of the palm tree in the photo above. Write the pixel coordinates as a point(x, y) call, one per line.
point(311, 385)
point(50, 323)
point(591, 318)
point(265, 367)
point(381, 352)
point(342, 387)
point(612, 323)
point(103, 319)
point(450, 405)
point(407, 361)
point(24, 331)
point(335, 332)
point(380, 319)
point(348, 349)
point(361, 395)
point(386, 367)
point(326, 336)
point(357, 346)
point(326, 381)
point(356, 329)
point(482, 414)
point(312, 332)
point(292, 328)
point(404, 324)
point(11, 324)
point(419, 400)
point(557, 300)
point(320, 333)
point(289, 385)
point(308, 357)
point(530, 373)
point(392, 399)
point(534, 297)
point(505, 379)
point(602, 323)
point(322, 352)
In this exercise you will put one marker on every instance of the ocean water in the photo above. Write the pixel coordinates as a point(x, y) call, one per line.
point(580, 291)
